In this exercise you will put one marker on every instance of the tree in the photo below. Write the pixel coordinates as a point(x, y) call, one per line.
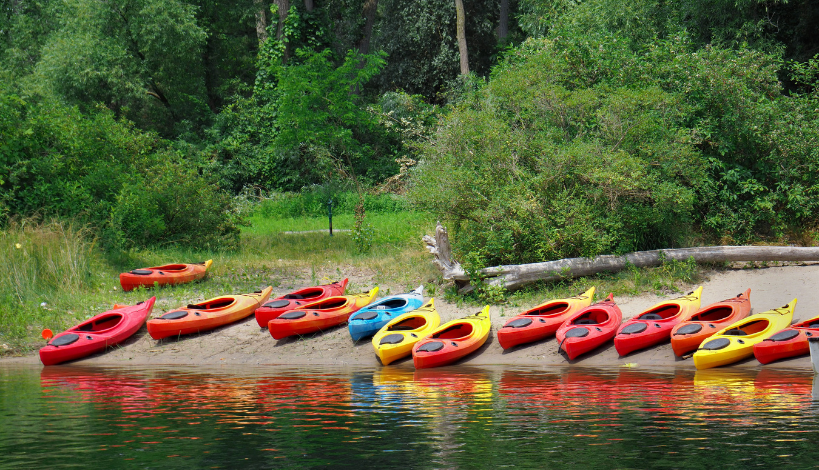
point(461, 25)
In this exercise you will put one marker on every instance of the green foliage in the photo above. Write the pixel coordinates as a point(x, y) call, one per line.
point(173, 205)
point(312, 202)
point(583, 143)
point(362, 231)
point(139, 57)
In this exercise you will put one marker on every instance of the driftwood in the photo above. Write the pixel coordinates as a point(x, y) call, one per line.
point(513, 277)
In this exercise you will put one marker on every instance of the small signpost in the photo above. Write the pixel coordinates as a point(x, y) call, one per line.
point(330, 214)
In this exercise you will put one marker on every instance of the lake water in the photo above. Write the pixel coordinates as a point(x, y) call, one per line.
point(164, 418)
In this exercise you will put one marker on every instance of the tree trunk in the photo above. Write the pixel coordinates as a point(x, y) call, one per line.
point(513, 277)
point(503, 21)
point(261, 20)
point(284, 7)
point(308, 5)
point(370, 8)
point(461, 20)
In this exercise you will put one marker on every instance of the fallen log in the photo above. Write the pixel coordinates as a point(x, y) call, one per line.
point(512, 277)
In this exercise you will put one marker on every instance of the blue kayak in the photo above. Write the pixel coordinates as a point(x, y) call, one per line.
point(370, 319)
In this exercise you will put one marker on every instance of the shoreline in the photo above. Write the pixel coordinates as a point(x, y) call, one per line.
point(244, 343)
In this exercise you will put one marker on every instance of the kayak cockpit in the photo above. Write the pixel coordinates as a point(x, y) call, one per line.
point(661, 313)
point(100, 324)
point(389, 304)
point(751, 328)
point(408, 324)
point(171, 267)
point(460, 330)
point(332, 302)
point(592, 317)
point(556, 308)
point(221, 302)
point(713, 315)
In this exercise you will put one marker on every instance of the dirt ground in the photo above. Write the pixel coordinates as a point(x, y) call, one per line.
point(244, 343)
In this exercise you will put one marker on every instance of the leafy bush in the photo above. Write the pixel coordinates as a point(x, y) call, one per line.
point(173, 205)
point(583, 143)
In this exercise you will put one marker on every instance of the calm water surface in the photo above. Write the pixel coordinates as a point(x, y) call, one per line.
point(92, 417)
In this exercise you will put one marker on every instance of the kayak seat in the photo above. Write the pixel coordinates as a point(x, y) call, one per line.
point(813, 325)
point(784, 335)
point(174, 315)
point(689, 329)
point(392, 339)
point(365, 316)
point(518, 323)
point(196, 307)
point(277, 304)
point(735, 332)
point(141, 272)
point(64, 339)
point(293, 296)
point(585, 321)
point(86, 327)
point(401, 328)
point(651, 316)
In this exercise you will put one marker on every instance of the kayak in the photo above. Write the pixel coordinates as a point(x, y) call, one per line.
point(654, 325)
point(589, 328)
point(275, 307)
point(396, 339)
point(691, 332)
point(790, 342)
point(541, 321)
point(452, 340)
point(737, 341)
point(207, 315)
point(319, 315)
point(96, 334)
point(370, 319)
point(164, 275)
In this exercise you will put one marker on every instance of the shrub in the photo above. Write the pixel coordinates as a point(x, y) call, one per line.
point(173, 204)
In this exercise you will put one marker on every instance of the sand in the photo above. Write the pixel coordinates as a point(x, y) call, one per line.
point(244, 343)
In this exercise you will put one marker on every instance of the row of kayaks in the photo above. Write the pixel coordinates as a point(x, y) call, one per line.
point(403, 324)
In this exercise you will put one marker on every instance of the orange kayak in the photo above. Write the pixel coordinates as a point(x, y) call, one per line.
point(319, 315)
point(690, 332)
point(207, 315)
point(164, 275)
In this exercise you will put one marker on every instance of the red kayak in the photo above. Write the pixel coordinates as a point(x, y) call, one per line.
point(687, 336)
point(542, 321)
point(654, 325)
point(98, 333)
point(589, 328)
point(319, 315)
point(275, 307)
point(790, 342)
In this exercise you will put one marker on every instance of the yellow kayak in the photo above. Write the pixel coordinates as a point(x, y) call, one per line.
point(737, 341)
point(396, 339)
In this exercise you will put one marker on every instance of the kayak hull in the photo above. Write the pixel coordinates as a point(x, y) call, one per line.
point(541, 321)
point(707, 321)
point(168, 274)
point(452, 341)
point(589, 328)
point(396, 339)
point(654, 325)
point(207, 315)
point(736, 342)
point(319, 315)
point(367, 321)
point(97, 333)
point(275, 307)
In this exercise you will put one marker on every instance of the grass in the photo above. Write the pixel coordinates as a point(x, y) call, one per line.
point(58, 276)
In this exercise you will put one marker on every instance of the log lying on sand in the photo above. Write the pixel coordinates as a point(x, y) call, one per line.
point(513, 277)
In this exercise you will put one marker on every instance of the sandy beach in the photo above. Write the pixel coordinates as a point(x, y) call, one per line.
point(244, 343)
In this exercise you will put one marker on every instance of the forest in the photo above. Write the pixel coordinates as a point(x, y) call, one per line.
point(538, 129)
